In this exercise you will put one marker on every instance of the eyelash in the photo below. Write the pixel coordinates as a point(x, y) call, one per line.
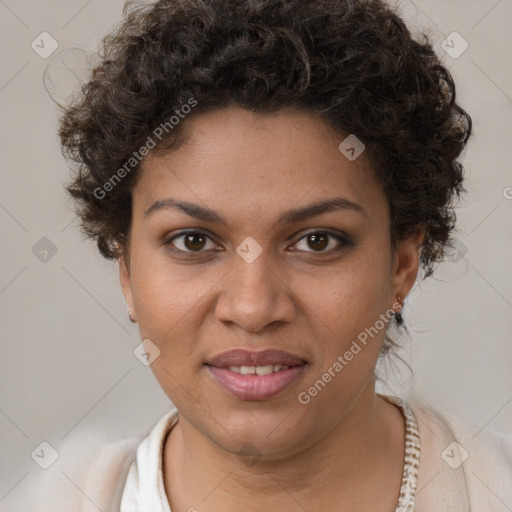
point(344, 241)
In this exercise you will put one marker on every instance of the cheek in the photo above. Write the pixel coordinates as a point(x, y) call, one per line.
point(349, 337)
point(167, 296)
point(172, 304)
point(350, 328)
point(167, 307)
point(352, 299)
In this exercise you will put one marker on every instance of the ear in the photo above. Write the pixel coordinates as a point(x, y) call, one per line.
point(406, 263)
point(125, 280)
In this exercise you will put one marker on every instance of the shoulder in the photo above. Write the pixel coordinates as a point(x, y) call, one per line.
point(126, 468)
point(88, 473)
point(104, 479)
point(466, 465)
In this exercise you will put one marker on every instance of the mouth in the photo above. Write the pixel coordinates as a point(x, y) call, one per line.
point(253, 376)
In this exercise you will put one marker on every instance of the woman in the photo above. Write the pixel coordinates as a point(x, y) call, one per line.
point(272, 176)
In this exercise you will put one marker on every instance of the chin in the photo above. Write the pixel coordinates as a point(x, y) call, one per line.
point(258, 434)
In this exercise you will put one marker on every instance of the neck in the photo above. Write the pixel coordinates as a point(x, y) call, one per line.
point(359, 458)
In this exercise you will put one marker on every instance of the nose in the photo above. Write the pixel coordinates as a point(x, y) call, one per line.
point(255, 295)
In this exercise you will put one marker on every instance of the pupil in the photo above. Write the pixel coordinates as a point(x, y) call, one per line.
point(191, 238)
point(318, 241)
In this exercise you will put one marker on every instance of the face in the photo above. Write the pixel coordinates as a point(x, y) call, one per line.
point(246, 265)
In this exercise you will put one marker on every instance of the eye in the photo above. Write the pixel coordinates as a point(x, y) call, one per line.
point(320, 241)
point(190, 241)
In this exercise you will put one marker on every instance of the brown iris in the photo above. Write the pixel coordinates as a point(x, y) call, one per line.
point(318, 241)
point(191, 241)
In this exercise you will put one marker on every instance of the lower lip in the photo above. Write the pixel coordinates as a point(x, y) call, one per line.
point(255, 387)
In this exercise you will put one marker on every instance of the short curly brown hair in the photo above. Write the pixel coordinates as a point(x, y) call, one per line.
point(352, 62)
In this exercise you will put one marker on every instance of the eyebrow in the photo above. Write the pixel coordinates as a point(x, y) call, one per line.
point(291, 216)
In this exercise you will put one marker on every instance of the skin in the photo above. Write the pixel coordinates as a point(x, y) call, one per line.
point(346, 446)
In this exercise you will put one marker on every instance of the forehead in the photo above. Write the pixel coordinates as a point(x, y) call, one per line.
point(233, 157)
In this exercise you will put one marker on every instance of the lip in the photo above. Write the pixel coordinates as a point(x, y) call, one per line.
point(245, 357)
point(255, 387)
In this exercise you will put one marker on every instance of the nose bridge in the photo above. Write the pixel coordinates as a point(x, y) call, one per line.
point(253, 295)
point(255, 277)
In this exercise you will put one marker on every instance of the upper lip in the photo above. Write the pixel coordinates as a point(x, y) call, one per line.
point(245, 357)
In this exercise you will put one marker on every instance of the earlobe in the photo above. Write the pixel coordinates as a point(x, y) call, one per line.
point(407, 262)
point(125, 281)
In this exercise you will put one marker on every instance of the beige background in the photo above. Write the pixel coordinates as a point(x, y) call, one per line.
point(67, 366)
